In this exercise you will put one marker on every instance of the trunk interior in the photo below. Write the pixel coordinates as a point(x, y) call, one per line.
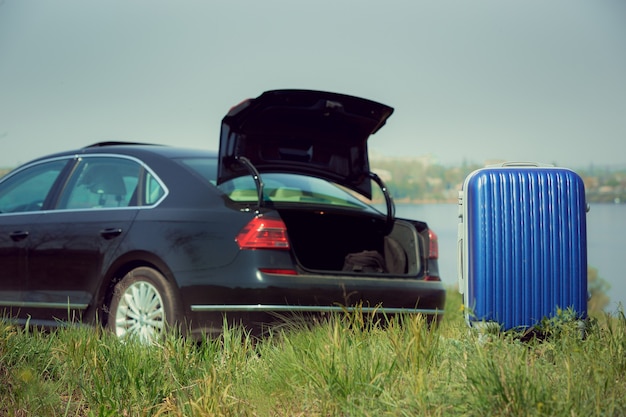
point(321, 241)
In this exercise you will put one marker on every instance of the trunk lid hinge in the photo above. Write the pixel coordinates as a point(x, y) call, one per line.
point(391, 208)
point(256, 176)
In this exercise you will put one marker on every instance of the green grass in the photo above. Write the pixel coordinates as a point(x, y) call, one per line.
point(347, 366)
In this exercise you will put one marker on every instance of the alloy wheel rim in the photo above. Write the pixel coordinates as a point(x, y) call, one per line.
point(140, 313)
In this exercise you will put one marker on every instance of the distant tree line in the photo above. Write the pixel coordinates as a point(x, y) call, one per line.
point(417, 180)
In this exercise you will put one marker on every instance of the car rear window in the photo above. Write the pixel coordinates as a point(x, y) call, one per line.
point(205, 167)
point(291, 188)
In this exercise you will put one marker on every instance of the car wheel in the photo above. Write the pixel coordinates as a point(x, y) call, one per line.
point(144, 303)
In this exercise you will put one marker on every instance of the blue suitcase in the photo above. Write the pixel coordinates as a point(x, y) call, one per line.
point(522, 244)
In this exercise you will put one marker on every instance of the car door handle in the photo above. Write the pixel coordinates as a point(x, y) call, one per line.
point(18, 235)
point(110, 232)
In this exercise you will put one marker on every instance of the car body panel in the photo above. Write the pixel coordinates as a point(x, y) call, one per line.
point(313, 133)
point(68, 252)
point(199, 238)
point(14, 241)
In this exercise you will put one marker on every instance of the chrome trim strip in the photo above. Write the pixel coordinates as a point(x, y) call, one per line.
point(309, 309)
point(36, 304)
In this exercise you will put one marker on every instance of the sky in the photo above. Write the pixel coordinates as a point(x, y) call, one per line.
point(470, 80)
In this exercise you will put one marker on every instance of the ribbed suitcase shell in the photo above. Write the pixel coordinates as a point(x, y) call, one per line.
point(524, 244)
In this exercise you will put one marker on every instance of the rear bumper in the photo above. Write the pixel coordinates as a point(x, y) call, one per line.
point(271, 298)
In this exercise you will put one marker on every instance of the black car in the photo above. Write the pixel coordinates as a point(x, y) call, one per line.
point(137, 236)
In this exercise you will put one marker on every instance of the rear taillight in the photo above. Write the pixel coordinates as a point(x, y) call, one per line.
point(433, 253)
point(279, 271)
point(432, 278)
point(263, 233)
point(433, 247)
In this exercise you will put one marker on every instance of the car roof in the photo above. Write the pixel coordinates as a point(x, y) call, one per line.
point(135, 149)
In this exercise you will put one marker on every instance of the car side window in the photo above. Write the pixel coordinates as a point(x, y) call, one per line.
point(154, 190)
point(26, 190)
point(102, 182)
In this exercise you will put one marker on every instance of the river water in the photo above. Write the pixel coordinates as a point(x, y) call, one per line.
point(606, 227)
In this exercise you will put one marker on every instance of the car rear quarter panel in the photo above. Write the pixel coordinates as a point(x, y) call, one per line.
point(187, 239)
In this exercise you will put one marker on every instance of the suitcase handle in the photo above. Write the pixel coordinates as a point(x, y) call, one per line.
point(521, 164)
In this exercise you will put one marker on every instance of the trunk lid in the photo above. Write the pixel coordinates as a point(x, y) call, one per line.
point(316, 133)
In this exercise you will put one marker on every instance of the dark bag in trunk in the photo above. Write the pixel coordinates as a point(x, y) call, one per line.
point(366, 261)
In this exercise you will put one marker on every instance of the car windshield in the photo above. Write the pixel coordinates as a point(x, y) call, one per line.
point(292, 188)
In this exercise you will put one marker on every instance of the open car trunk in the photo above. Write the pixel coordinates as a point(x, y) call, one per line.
point(321, 135)
point(321, 240)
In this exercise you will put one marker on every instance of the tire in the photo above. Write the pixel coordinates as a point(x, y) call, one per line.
point(144, 305)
